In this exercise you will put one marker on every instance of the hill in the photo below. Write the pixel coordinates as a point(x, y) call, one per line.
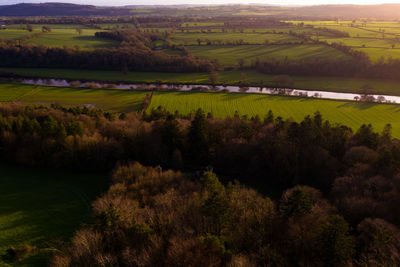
point(59, 9)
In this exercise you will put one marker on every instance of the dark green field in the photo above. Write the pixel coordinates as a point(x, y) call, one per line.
point(43, 208)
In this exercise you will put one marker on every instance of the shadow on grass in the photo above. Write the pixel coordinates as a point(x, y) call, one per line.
point(39, 207)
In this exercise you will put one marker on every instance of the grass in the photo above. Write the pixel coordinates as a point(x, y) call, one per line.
point(349, 113)
point(225, 104)
point(108, 99)
point(60, 36)
point(359, 42)
point(13, 34)
point(228, 55)
point(70, 38)
point(11, 92)
point(229, 77)
point(251, 38)
point(375, 54)
point(43, 208)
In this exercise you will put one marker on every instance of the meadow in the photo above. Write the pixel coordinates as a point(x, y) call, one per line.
point(70, 38)
point(351, 114)
point(251, 38)
point(13, 34)
point(108, 99)
point(229, 55)
point(61, 35)
point(43, 208)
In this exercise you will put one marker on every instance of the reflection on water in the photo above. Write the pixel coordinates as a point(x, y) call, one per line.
point(262, 90)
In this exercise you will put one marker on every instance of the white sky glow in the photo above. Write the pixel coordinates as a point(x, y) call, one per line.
point(171, 2)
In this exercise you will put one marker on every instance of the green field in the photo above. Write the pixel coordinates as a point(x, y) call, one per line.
point(251, 38)
point(220, 104)
point(60, 36)
point(359, 42)
point(335, 84)
point(228, 55)
point(43, 208)
point(13, 34)
point(109, 99)
point(225, 104)
point(376, 54)
point(70, 38)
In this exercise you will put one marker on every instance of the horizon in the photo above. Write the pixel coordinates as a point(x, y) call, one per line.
point(207, 2)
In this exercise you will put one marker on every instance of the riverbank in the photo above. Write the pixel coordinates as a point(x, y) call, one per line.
point(253, 78)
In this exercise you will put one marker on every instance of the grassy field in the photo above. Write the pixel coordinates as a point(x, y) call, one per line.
point(225, 104)
point(60, 36)
point(43, 208)
point(70, 38)
point(13, 34)
point(229, 77)
point(228, 55)
point(359, 42)
point(108, 99)
point(376, 54)
point(352, 114)
point(251, 38)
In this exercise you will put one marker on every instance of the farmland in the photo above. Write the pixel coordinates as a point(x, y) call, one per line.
point(225, 104)
point(249, 38)
point(378, 39)
point(352, 114)
point(117, 100)
point(229, 55)
point(60, 36)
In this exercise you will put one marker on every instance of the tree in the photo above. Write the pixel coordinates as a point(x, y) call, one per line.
point(172, 136)
point(79, 30)
point(283, 81)
point(241, 62)
point(367, 88)
point(46, 29)
point(198, 138)
point(213, 76)
point(216, 205)
point(29, 28)
point(295, 203)
point(334, 245)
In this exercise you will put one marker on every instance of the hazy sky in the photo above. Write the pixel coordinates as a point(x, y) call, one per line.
point(169, 2)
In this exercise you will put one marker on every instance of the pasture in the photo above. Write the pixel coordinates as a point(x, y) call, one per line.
point(229, 55)
point(13, 34)
point(43, 208)
point(61, 35)
point(108, 99)
point(351, 114)
point(70, 38)
point(250, 38)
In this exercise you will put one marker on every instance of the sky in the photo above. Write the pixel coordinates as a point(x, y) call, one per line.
point(170, 2)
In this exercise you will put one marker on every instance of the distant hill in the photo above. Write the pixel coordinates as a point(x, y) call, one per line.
point(60, 9)
point(384, 11)
point(349, 11)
